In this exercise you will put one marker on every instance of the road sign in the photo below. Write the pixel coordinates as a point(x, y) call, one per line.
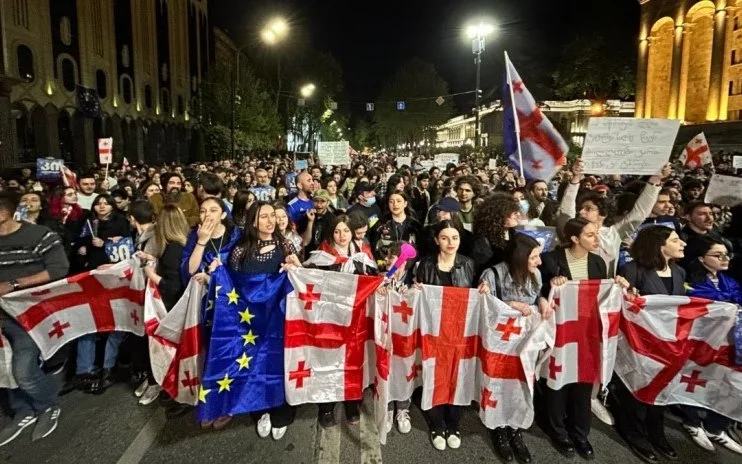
point(401, 106)
point(369, 106)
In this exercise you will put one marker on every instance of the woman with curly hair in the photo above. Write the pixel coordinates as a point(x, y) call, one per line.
point(494, 219)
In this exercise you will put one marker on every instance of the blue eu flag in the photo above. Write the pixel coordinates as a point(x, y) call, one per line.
point(244, 364)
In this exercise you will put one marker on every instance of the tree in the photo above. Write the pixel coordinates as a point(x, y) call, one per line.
point(592, 68)
point(255, 118)
point(418, 84)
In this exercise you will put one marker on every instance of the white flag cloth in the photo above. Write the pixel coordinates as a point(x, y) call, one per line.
point(175, 347)
point(97, 301)
point(328, 332)
point(697, 153)
point(676, 350)
point(6, 364)
point(587, 314)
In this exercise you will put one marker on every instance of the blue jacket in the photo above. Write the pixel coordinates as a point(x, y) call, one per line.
point(729, 290)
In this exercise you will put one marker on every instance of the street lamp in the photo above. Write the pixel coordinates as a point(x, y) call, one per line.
point(477, 33)
point(307, 90)
point(274, 32)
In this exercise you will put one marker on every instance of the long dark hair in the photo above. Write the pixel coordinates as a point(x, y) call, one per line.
point(697, 248)
point(239, 206)
point(109, 199)
point(647, 247)
point(517, 254)
point(330, 231)
point(573, 228)
point(250, 238)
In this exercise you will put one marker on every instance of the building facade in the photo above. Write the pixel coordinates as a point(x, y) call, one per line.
point(690, 60)
point(73, 71)
point(570, 117)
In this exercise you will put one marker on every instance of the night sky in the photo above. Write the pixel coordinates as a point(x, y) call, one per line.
point(372, 39)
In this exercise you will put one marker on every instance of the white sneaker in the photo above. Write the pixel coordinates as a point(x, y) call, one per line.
point(726, 441)
point(600, 411)
point(140, 389)
point(453, 441)
point(389, 421)
point(403, 421)
point(699, 437)
point(439, 442)
point(278, 433)
point(264, 425)
point(150, 395)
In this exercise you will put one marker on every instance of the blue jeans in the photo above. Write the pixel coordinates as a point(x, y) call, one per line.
point(36, 391)
point(86, 352)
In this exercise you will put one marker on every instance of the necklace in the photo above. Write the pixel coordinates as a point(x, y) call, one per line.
point(217, 250)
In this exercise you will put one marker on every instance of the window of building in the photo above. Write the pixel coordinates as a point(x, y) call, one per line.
point(734, 57)
point(148, 96)
point(24, 56)
point(127, 89)
point(731, 87)
point(736, 23)
point(68, 75)
point(101, 84)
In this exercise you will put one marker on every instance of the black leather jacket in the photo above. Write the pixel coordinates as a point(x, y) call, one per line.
point(463, 273)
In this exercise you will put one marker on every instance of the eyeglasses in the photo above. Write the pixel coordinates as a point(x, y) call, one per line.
point(720, 256)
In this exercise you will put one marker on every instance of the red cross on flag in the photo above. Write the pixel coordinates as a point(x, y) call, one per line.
point(380, 308)
point(587, 314)
point(105, 150)
point(97, 301)
point(676, 350)
point(6, 364)
point(532, 143)
point(697, 153)
point(328, 341)
point(175, 347)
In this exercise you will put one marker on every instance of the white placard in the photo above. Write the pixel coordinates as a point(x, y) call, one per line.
point(442, 159)
point(427, 164)
point(105, 150)
point(492, 164)
point(724, 190)
point(737, 162)
point(404, 161)
point(628, 145)
point(334, 153)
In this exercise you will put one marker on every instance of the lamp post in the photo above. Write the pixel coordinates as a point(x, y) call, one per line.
point(236, 99)
point(305, 92)
point(273, 33)
point(478, 32)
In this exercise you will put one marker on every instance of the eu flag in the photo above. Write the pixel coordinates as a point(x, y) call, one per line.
point(244, 364)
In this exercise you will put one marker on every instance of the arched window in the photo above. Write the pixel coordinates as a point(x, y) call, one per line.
point(68, 74)
point(127, 89)
point(101, 84)
point(148, 96)
point(24, 55)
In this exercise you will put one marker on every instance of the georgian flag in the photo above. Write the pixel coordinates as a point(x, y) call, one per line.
point(676, 350)
point(110, 300)
point(587, 314)
point(347, 264)
point(328, 332)
point(175, 347)
point(529, 135)
point(697, 153)
point(380, 306)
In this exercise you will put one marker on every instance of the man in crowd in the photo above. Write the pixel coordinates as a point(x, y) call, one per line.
point(547, 207)
point(659, 214)
point(299, 205)
point(468, 189)
point(420, 201)
point(365, 196)
point(86, 195)
point(175, 195)
point(692, 190)
point(122, 199)
point(320, 219)
point(263, 190)
point(701, 222)
point(210, 186)
point(30, 255)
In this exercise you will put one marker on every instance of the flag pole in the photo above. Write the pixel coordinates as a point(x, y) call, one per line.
point(515, 113)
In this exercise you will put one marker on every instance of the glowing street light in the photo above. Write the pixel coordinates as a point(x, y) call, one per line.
point(479, 30)
point(274, 31)
point(307, 90)
point(478, 33)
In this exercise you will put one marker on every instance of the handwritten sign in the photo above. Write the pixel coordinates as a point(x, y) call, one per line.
point(49, 169)
point(492, 164)
point(724, 190)
point(737, 162)
point(404, 161)
point(442, 159)
point(427, 164)
point(334, 153)
point(628, 145)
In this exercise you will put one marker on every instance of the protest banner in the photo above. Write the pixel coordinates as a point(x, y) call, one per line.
point(737, 162)
point(724, 190)
point(442, 159)
point(49, 169)
point(334, 153)
point(492, 164)
point(404, 161)
point(427, 164)
point(628, 145)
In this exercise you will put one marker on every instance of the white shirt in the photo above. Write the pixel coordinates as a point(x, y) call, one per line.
point(86, 201)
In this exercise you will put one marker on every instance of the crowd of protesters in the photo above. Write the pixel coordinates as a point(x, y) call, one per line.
point(652, 235)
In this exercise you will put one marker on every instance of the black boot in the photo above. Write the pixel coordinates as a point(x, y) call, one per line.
point(501, 442)
point(519, 447)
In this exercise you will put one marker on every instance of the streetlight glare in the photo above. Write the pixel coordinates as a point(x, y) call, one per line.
point(279, 26)
point(274, 31)
point(307, 90)
point(479, 30)
point(268, 36)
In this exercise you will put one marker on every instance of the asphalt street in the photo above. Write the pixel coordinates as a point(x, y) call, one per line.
point(113, 428)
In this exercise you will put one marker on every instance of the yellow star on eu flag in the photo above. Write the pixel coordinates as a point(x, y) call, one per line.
point(233, 296)
point(202, 392)
point(249, 338)
point(244, 361)
point(245, 316)
point(225, 383)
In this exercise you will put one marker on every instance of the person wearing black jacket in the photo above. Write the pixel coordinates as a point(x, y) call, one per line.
point(653, 272)
point(447, 268)
point(396, 225)
point(577, 261)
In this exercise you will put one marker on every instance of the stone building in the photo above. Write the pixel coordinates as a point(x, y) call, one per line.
point(72, 71)
point(690, 60)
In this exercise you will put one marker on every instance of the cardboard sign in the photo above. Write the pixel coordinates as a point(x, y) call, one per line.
point(724, 190)
point(442, 159)
point(301, 164)
point(105, 150)
point(628, 145)
point(427, 164)
point(737, 162)
point(404, 161)
point(492, 164)
point(49, 169)
point(334, 153)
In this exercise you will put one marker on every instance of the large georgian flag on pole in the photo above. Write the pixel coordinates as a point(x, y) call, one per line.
point(327, 333)
point(175, 342)
point(587, 316)
point(676, 350)
point(532, 143)
point(97, 301)
point(697, 153)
